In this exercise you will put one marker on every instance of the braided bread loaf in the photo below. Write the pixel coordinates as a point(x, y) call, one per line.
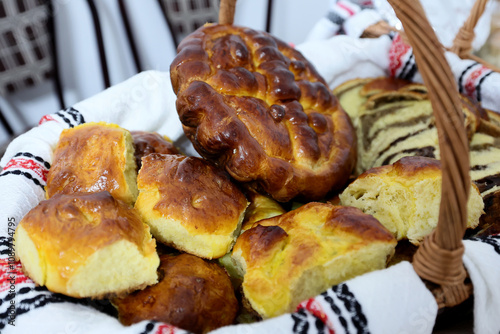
point(255, 106)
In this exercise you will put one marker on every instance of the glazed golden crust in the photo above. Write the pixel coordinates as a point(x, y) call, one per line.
point(94, 157)
point(189, 203)
point(72, 218)
point(68, 231)
point(254, 105)
point(192, 294)
point(193, 192)
point(150, 142)
point(289, 258)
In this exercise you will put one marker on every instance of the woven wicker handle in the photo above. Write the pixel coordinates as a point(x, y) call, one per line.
point(439, 259)
point(226, 11)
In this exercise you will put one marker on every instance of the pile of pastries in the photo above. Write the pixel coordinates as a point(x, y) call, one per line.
point(296, 189)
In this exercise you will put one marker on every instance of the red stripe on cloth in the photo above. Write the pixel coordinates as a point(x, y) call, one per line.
point(396, 54)
point(166, 329)
point(315, 308)
point(472, 79)
point(46, 118)
point(23, 163)
point(346, 7)
point(11, 273)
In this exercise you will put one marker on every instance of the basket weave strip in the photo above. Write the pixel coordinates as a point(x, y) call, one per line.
point(439, 260)
point(226, 11)
point(462, 44)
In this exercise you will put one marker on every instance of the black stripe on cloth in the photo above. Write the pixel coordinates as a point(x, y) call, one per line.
point(300, 322)
point(25, 174)
point(478, 86)
point(406, 65)
point(321, 327)
point(100, 43)
point(335, 18)
point(358, 318)
point(76, 115)
point(5, 243)
point(71, 113)
point(130, 35)
point(24, 304)
point(65, 119)
point(34, 157)
point(411, 72)
point(336, 310)
point(492, 240)
point(149, 328)
point(409, 69)
point(53, 50)
point(462, 75)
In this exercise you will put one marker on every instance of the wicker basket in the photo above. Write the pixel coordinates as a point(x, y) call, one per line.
point(438, 260)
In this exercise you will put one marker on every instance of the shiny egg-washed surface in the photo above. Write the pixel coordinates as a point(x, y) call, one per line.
point(257, 107)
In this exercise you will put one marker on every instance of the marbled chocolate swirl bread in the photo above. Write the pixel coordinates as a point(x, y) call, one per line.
point(255, 106)
point(394, 119)
point(485, 170)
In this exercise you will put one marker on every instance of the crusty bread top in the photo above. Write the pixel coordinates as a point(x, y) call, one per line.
point(94, 157)
point(257, 107)
point(192, 191)
point(295, 256)
point(70, 228)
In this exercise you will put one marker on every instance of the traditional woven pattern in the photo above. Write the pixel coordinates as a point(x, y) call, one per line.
point(25, 58)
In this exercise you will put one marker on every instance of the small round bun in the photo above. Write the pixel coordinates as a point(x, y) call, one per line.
point(192, 294)
point(190, 204)
point(94, 157)
point(255, 106)
point(86, 245)
point(151, 142)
